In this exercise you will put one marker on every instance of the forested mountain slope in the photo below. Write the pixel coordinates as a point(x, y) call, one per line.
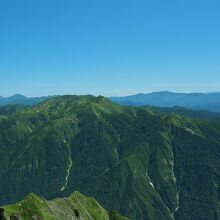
point(10, 109)
point(195, 114)
point(141, 163)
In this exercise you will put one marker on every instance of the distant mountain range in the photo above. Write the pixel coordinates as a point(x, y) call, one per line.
point(22, 100)
point(197, 101)
point(143, 162)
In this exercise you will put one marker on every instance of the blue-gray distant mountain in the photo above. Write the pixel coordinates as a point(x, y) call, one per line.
point(22, 100)
point(197, 101)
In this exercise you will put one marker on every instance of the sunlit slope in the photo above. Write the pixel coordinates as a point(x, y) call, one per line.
point(74, 207)
point(144, 164)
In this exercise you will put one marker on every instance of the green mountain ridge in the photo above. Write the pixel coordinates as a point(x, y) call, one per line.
point(74, 207)
point(141, 163)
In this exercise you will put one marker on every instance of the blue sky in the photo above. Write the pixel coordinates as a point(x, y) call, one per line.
point(109, 47)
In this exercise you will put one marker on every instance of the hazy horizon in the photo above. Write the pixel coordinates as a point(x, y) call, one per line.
point(162, 91)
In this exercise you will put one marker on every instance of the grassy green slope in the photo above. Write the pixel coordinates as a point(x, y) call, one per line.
point(133, 160)
point(74, 207)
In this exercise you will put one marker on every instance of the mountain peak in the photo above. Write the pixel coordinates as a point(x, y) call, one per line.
point(18, 96)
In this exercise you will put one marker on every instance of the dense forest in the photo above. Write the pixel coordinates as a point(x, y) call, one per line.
point(142, 162)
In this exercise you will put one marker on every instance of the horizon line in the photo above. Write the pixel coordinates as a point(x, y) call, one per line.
point(122, 95)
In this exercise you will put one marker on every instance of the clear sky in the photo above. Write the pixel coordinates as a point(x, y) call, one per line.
point(109, 47)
